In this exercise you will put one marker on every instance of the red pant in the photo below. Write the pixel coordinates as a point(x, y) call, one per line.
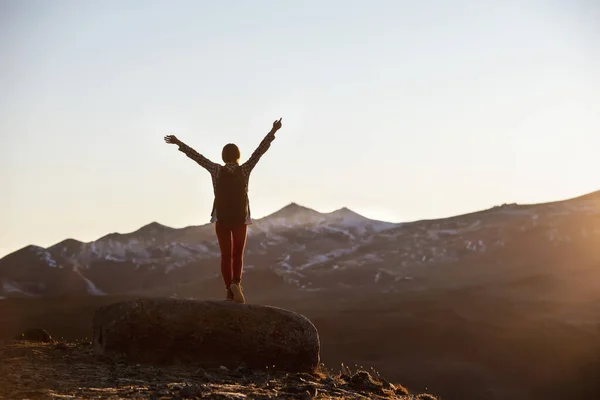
point(232, 240)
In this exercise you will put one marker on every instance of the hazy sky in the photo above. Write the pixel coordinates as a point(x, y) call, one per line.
point(399, 110)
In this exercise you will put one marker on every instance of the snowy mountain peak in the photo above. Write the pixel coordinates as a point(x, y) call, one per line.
point(345, 212)
point(66, 247)
point(293, 210)
point(150, 230)
point(352, 219)
point(30, 255)
point(153, 228)
point(295, 207)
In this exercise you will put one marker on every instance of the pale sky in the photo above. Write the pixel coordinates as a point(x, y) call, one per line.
point(399, 110)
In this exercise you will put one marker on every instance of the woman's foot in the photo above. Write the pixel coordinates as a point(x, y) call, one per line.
point(238, 293)
point(229, 295)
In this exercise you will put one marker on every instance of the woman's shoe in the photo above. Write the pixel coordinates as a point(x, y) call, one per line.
point(238, 293)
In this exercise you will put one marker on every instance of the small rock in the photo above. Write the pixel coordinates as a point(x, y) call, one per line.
point(292, 389)
point(306, 395)
point(330, 383)
point(35, 335)
point(311, 390)
point(362, 380)
point(386, 385)
point(224, 368)
point(400, 390)
point(306, 377)
point(243, 369)
point(190, 392)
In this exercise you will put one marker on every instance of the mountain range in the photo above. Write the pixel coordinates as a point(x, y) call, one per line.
point(299, 250)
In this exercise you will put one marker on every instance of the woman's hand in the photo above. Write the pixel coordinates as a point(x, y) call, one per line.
point(172, 139)
point(276, 125)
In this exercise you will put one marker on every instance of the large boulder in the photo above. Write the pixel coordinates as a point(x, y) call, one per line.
point(207, 334)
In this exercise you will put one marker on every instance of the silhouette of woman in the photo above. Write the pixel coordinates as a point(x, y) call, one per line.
point(231, 206)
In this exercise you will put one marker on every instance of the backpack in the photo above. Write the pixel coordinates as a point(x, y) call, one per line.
point(231, 198)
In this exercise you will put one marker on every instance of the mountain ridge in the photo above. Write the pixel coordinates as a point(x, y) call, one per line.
point(294, 208)
point(288, 210)
point(306, 250)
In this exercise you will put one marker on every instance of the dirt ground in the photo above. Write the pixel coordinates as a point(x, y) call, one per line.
point(68, 370)
point(466, 344)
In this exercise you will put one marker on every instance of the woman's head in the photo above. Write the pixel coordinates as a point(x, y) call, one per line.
point(231, 153)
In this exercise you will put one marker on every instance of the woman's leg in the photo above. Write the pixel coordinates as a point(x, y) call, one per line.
point(224, 235)
point(239, 244)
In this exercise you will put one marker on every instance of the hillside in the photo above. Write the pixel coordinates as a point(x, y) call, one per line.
point(310, 251)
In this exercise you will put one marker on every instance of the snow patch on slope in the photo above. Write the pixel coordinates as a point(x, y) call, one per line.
point(91, 288)
point(45, 256)
point(9, 287)
point(349, 219)
point(322, 258)
point(477, 246)
point(12, 287)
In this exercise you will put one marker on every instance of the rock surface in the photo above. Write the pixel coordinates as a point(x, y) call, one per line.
point(207, 334)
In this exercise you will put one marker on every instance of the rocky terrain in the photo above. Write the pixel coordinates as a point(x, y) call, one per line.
point(68, 370)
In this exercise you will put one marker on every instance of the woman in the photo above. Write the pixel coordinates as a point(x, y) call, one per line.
point(231, 207)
